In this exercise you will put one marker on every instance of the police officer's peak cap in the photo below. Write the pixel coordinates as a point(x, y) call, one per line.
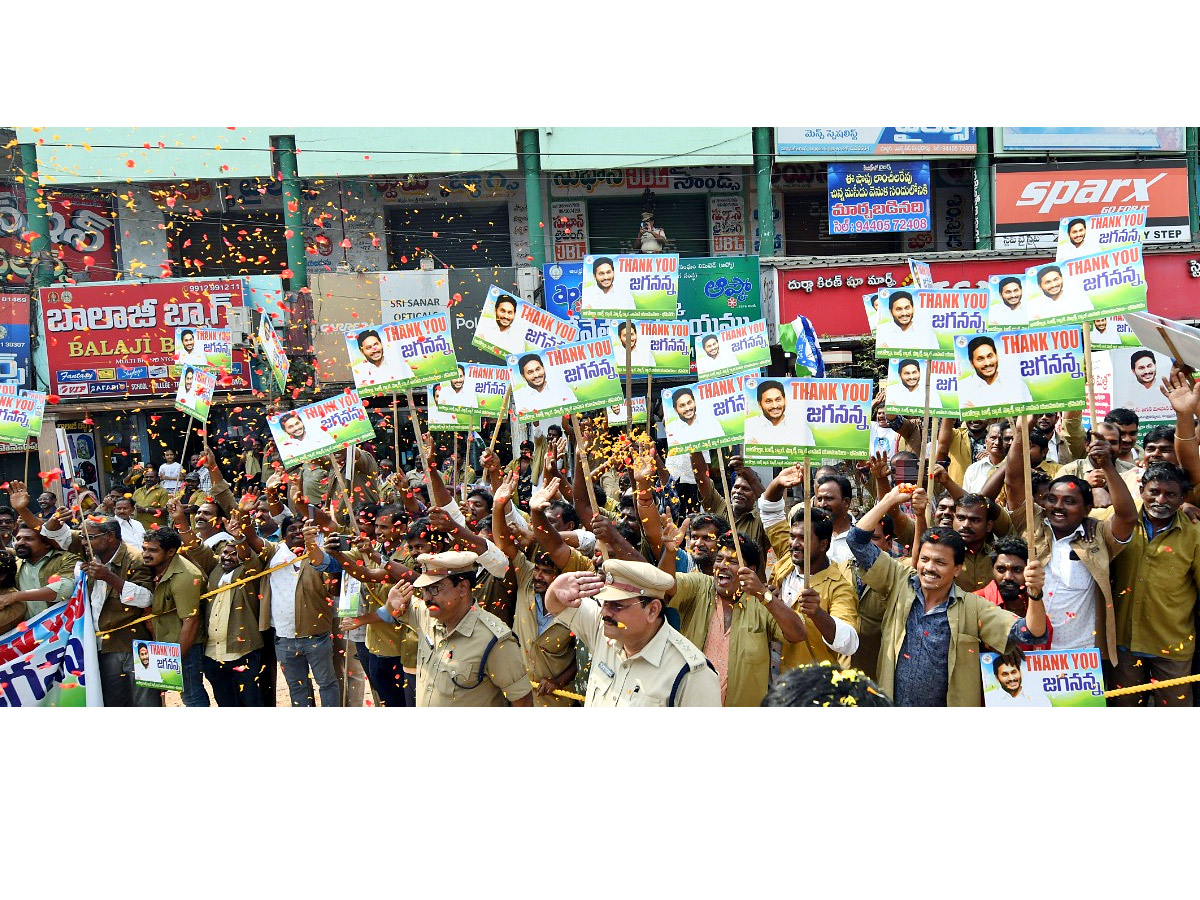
point(626, 580)
point(437, 566)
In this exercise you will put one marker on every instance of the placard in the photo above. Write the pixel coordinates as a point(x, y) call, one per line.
point(571, 378)
point(440, 420)
point(1090, 287)
point(1008, 373)
point(350, 602)
point(705, 415)
point(743, 348)
point(1113, 333)
point(204, 348)
point(1006, 301)
point(272, 349)
point(195, 393)
point(320, 428)
point(1042, 678)
point(157, 665)
point(906, 387)
point(660, 348)
point(616, 412)
point(388, 359)
point(635, 286)
point(1087, 235)
point(475, 391)
point(20, 414)
point(508, 324)
point(923, 324)
point(790, 418)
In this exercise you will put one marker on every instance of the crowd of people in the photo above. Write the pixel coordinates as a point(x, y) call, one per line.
point(610, 573)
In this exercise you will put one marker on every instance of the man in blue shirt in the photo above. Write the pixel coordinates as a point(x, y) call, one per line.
point(932, 629)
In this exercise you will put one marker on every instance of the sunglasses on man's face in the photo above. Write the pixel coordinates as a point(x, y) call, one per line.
point(618, 606)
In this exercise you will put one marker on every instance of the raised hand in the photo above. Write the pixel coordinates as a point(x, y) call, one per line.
point(1183, 393)
point(400, 597)
point(572, 587)
point(504, 493)
point(544, 496)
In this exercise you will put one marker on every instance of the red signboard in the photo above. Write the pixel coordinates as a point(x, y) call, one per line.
point(831, 297)
point(117, 339)
point(1033, 198)
point(82, 235)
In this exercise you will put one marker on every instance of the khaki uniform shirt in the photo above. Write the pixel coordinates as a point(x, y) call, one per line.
point(838, 598)
point(971, 618)
point(751, 630)
point(750, 524)
point(450, 665)
point(550, 653)
point(1155, 585)
point(976, 572)
point(152, 498)
point(231, 617)
point(33, 576)
point(115, 615)
point(177, 597)
point(383, 638)
point(648, 677)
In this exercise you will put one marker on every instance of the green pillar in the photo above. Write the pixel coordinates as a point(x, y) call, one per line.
point(766, 203)
point(531, 166)
point(36, 209)
point(1193, 165)
point(293, 210)
point(983, 189)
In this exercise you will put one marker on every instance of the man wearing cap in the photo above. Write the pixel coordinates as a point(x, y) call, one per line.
point(465, 656)
point(637, 658)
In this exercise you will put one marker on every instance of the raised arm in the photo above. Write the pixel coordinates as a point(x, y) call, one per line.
point(501, 530)
point(579, 493)
point(1014, 474)
point(643, 492)
point(1184, 396)
point(1124, 511)
point(18, 497)
point(438, 493)
point(547, 538)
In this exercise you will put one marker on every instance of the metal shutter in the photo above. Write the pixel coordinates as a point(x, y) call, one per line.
point(613, 223)
point(467, 236)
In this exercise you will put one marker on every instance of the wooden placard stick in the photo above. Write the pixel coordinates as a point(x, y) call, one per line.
point(587, 474)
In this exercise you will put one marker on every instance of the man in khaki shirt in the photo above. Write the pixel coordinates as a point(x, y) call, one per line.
point(177, 588)
point(465, 656)
point(233, 646)
point(150, 501)
point(637, 658)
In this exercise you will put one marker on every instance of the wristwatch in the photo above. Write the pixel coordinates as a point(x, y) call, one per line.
point(768, 596)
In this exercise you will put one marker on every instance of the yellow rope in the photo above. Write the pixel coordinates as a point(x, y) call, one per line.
point(1152, 686)
point(566, 694)
point(213, 593)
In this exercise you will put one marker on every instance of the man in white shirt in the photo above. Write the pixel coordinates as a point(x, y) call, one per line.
point(907, 330)
point(1101, 336)
point(300, 439)
point(132, 531)
point(1145, 373)
point(379, 365)
point(627, 341)
point(690, 427)
point(1056, 299)
point(170, 473)
point(605, 293)
point(989, 387)
point(774, 426)
point(981, 470)
point(187, 353)
point(1009, 311)
point(506, 330)
point(714, 356)
point(538, 394)
point(911, 389)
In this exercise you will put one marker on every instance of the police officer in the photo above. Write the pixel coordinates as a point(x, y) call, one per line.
point(637, 658)
point(465, 656)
